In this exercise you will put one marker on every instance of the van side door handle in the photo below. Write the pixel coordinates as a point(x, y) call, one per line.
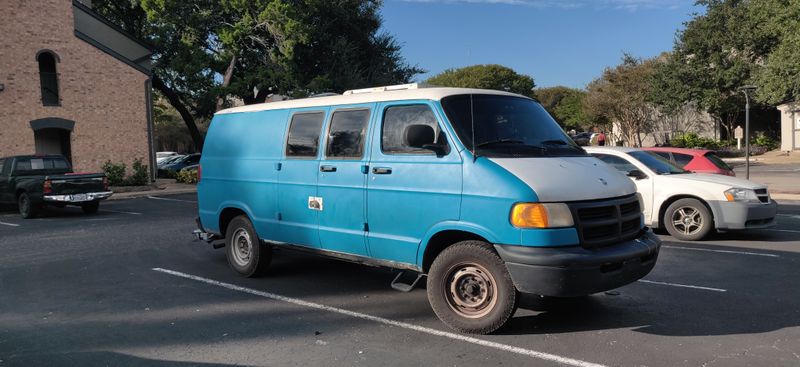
point(327, 168)
point(382, 171)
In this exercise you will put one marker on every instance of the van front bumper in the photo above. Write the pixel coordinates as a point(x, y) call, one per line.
point(577, 271)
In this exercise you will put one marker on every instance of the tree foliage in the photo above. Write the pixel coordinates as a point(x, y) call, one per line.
point(735, 43)
point(621, 94)
point(490, 76)
point(211, 51)
point(566, 106)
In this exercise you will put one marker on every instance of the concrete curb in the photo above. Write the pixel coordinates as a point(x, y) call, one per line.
point(140, 194)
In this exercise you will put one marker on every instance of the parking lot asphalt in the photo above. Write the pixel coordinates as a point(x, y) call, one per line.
point(129, 287)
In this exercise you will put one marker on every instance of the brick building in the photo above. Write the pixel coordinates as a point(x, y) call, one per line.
point(72, 83)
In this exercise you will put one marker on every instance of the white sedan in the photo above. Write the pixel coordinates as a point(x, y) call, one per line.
point(690, 205)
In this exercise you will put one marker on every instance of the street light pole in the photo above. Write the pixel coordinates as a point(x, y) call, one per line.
point(746, 89)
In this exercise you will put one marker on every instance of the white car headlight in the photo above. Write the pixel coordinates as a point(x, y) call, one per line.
point(743, 195)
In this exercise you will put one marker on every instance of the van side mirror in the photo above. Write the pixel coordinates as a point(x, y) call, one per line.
point(637, 174)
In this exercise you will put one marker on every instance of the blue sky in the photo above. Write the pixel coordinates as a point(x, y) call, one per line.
point(558, 42)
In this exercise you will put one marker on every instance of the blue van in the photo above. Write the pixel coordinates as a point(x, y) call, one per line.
point(479, 190)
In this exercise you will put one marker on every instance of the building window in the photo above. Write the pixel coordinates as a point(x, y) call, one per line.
point(48, 78)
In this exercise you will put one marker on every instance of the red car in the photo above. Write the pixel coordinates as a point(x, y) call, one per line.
point(695, 160)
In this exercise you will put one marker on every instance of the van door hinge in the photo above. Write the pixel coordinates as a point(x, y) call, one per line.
point(278, 166)
point(364, 169)
point(365, 227)
point(278, 216)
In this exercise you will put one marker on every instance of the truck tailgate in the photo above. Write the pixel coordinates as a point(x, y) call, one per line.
point(77, 183)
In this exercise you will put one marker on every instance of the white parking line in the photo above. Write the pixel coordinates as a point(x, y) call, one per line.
point(683, 286)
point(121, 212)
point(721, 251)
point(422, 329)
point(9, 224)
point(168, 199)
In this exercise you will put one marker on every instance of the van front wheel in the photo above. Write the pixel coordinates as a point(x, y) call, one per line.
point(470, 289)
point(247, 255)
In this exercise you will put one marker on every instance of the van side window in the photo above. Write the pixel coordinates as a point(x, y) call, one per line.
point(303, 137)
point(346, 136)
point(404, 130)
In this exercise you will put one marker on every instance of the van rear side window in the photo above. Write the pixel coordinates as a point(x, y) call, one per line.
point(347, 131)
point(303, 137)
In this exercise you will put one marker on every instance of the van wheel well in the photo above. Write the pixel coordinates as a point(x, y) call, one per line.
point(227, 216)
point(442, 240)
point(663, 210)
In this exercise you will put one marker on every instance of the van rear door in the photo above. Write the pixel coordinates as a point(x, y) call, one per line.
point(341, 196)
point(411, 186)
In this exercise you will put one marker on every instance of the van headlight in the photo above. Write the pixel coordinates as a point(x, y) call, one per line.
point(743, 195)
point(541, 215)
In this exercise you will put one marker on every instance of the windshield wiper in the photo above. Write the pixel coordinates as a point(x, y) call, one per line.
point(554, 142)
point(500, 141)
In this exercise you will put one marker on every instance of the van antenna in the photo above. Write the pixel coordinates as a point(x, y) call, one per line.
point(472, 120)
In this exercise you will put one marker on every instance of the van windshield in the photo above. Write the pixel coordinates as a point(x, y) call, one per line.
point(507, 126)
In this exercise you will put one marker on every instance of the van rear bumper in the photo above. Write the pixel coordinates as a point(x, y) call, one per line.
point(576, 271)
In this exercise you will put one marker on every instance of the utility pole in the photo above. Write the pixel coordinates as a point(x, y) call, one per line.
point(746, 89)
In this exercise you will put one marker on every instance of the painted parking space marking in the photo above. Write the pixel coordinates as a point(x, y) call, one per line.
point(9, 224)
point(168, 199)
point(120, 212)
point(381, 320)
point(683, 286)
point(721, 251)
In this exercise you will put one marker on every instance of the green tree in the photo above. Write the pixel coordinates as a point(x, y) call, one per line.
point(210, 50)
point(566, 106)
point(491, 76)
point(778, 24)
point(620, 96)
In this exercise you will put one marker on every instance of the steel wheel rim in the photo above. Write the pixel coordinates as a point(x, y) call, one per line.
point(241, 247)
point(687, 220)
point(470, 290)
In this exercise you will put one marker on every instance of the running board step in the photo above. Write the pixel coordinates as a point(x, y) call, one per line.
point(398, 285)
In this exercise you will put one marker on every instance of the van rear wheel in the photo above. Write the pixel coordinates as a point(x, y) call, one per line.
point(247, 255)
point(470, 289)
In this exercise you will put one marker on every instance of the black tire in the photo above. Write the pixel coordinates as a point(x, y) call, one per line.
point(247, 255)
point(688, 220)
point(27, 208)
point(470, 289)
point(90, 207)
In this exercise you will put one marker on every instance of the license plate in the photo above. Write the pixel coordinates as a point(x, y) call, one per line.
point(80, 197)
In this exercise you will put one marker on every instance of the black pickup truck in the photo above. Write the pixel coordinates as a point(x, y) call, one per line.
point(33, 181)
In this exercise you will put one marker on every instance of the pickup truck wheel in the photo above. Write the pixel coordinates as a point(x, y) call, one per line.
point(90, 207)
point(470, 289)
point(688, 220)
point(247, 255)
point(27, 208)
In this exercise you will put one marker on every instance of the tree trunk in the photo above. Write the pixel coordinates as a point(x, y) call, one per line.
point(187, 117)
point(226, 81)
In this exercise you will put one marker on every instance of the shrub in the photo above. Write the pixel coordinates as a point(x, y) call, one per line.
point(139, 176)
point(692, 140)
point(187, 176)
point(765, 141)
point(115, 173)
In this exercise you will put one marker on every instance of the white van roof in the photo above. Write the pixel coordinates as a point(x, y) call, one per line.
point(369, 95)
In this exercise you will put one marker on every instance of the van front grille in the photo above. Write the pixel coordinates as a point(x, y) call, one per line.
point(606, 222)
